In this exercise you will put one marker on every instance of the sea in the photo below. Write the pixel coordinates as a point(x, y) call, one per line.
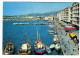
point(16, 34)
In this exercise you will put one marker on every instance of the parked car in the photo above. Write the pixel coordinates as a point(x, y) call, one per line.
point(74, 37)
point(69, 28)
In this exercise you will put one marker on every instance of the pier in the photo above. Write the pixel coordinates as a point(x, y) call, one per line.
point(30, 23)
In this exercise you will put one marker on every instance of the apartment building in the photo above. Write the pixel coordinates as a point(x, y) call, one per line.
point(64, 14)
point(60, 15)
point(70, 14)
point(75, 13)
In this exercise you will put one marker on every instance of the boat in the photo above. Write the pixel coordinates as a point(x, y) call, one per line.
point(57, 47)
point(8, 48)
point(25, 48)
point(50, 21)
point(39, 46)
point(52, 46)
point(50, 25)
point(51, 33)
point(55, 39)
point(49, 30)
point(48, 50)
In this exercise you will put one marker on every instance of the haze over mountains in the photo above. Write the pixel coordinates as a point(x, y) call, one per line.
point(41, 14)
point(44, 14)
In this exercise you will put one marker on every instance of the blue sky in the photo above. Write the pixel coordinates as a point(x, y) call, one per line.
point(21, 8)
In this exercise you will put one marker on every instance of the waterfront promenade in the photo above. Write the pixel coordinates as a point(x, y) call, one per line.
point(68, 46)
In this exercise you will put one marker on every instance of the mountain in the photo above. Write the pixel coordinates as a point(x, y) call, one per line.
point(39, 14)
point(44, 14)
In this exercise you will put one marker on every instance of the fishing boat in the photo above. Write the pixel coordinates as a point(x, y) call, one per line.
point(39, 46)
point(8, 48)
point(25, 48)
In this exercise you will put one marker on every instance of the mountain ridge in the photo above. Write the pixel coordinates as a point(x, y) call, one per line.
point(41, 14)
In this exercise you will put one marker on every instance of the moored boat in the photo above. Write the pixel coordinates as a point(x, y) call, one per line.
point(50, 31)
point(55, 39)
point(8, 48)
point(39, 46)
point(58, 47)
point(48, 50)
point(25, 48)
point(52, 46)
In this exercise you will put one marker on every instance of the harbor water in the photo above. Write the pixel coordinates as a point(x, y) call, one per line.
point(16, 34)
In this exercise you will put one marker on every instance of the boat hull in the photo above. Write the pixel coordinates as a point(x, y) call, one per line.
point(8, 51)
point(25, 52)
point(40, 51)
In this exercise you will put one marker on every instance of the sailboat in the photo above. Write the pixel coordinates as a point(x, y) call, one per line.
point(39, 46)
point(8, 48)
point(25, 48)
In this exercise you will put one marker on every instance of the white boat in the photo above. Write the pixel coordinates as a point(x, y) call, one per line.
point(51, 33)
point(55, 35)
point(48, 50)
point(51, 26)
point(49, 30)
point(55, 39)
point(57, 47)
point(52, 46)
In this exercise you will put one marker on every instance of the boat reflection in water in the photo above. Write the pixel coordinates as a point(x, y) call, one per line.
point(25, 48)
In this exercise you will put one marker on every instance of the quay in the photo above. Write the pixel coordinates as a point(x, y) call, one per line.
point(30, 23)
point(68, 46)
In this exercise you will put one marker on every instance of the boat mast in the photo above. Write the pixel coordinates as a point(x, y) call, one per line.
point(25, 37)
point(39, 37)
point(37, 34)
point(8, 39)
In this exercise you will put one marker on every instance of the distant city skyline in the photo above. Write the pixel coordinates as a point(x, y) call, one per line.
point(21, 8)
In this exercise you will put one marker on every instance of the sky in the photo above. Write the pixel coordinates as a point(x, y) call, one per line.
point(21, 8)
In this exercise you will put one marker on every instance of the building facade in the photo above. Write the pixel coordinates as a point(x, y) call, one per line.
point(75, 13)
point(70, 14)
point(50, 17)
point(64, 14)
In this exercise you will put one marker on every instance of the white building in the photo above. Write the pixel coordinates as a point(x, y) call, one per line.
point(50, 17)
point(64, 14)
point(75, 13)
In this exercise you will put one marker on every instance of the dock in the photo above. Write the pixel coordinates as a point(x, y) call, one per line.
point(67, 45)
point(30, 23)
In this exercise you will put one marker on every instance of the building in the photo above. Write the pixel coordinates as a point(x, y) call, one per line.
point(70, 14)
point(50, 17)
point(60, 15)
point(64, 14)
point(75, 13)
